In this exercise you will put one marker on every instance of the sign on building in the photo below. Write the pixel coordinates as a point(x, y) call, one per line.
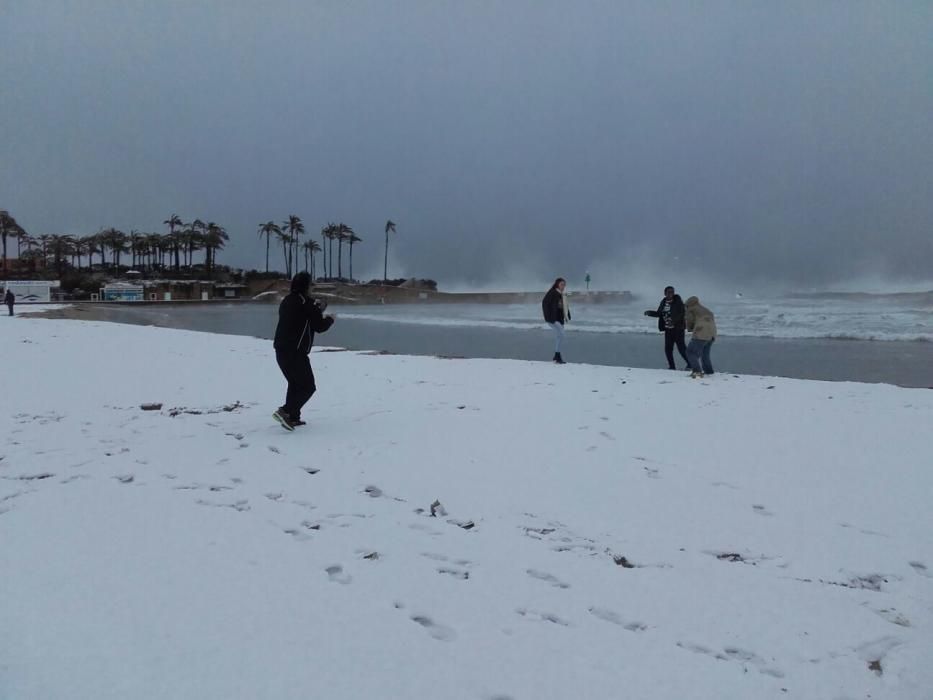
point(122, 292)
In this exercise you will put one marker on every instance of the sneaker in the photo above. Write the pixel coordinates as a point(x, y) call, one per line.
point(297, 421)
point(283, 418)
point(696, 375)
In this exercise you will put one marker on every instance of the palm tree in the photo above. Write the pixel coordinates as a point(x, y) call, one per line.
point(269, 229)
point(286, 238)
point(295, 229)
point(90, 245)
point(21, 237)
point(76, 250)
point(325, 234)
point(9, 227)
point(342, 233)
point(390, 226)
point(194, 239)
point(44, 241)
point(310, 247)
point(116, 240)
point(166, 245)
point(351, 239)
point(331, 235)
point(135, 240)
point(142, 249)
point(214, 239)
point(173, 221)
point(58, 246)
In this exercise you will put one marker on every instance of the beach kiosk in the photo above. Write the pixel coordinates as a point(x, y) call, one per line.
point(31, 291)
point(122, 291)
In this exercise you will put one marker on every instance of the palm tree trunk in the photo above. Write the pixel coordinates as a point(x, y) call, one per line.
point(324, 256)
point(385, 266)
point(267, 253)
point(351, 261)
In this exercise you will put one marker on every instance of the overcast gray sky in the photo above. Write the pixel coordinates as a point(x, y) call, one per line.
point(771, 141)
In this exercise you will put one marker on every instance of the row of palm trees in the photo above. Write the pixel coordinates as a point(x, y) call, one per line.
point(146, 249)
point(183, 240)
point(289, 234)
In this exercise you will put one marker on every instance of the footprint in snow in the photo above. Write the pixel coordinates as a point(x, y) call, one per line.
point(239, 506)
point(462, 574)
point(734, 654)
point(440, 632)
point(761, 510)
point(336, 573)
point(616, 619)
point(542, 616)
point(920, 568)
point(547, 578)
point(893, 616)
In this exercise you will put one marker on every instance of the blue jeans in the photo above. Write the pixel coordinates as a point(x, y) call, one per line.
point(698, 355)
point(559, 332)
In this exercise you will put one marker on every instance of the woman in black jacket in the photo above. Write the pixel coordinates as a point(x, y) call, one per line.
point(670, 315)
point(556, 313)
point(300, 318)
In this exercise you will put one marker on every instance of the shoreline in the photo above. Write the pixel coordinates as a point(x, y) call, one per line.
point(900, 363)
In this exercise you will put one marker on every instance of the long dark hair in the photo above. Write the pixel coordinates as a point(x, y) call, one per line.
point(557, 282)
point(301, 282)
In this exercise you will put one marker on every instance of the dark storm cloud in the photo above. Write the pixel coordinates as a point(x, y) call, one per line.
point(750, 140)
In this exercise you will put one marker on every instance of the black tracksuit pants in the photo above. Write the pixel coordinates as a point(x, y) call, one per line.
point(674, 336)
point(296, 366)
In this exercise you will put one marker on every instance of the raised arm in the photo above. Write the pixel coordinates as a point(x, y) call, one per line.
point(319, 322)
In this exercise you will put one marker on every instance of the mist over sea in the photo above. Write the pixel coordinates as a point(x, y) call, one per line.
point(846, 316)
point(829, 336)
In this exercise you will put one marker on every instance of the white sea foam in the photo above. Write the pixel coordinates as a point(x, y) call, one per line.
point(891, 318)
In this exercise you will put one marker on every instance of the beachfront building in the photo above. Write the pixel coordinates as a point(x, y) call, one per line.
point(36, 291)
point(229, 290)
point(122, 291)
point(170, 290)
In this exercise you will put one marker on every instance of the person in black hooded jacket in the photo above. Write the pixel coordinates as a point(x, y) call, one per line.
point(670, 315)
point(300, 317)
point(556, 310)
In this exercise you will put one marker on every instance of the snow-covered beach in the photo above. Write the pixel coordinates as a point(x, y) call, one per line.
point(598, 532)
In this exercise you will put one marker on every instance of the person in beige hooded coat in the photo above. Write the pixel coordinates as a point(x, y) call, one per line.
point(702, 323)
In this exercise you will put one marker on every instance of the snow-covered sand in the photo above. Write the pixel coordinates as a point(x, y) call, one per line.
point(602, 532)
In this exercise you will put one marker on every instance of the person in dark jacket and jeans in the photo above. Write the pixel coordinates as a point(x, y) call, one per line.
point(556, 313)
point(670, 315)
point(9, 299)
point(300, 317)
